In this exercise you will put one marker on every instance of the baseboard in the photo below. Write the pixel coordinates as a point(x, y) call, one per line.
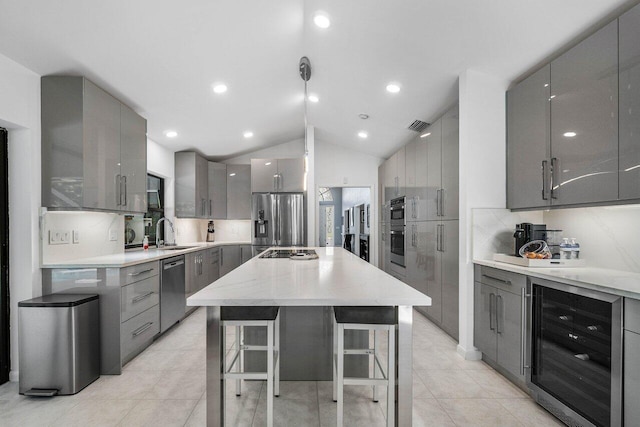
point(13, 376)
point(469, 354)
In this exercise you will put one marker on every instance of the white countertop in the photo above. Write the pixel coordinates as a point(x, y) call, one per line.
point(134, 257)
point(338, 277)
point(623, 283)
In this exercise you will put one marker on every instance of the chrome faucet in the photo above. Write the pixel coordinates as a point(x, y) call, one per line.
point(161, 243)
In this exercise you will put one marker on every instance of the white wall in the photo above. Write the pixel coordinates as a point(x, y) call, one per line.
point(482, 176)
point(287, 150)
point(338, 166)
point(20, 114)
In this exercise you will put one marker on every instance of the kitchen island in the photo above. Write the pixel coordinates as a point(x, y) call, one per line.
point(337, 277)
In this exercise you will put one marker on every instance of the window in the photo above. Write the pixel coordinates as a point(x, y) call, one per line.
point(325, 195)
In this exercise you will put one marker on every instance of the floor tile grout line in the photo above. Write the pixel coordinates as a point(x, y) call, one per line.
point(192, 410)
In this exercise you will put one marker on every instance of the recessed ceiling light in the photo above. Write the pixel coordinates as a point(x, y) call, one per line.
point(248, 134)
point(232, 174)
point(424, 135)
point(321, 20)
point(546, 85)
point(362, 134)
point(267, 164)
point(313, 98)
point(393, 88)
point(171, 133)
point(569, 134)
point(552, 96)
point(220, 88)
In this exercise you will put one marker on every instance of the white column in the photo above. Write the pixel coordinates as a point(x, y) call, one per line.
point(482, 176)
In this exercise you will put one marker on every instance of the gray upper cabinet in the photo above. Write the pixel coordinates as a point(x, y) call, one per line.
point(410, 178)
point(238, 192)
point(192, 185)
point(394, 175)
point(584, 120)
point(416, 179)
point(277, 175)
point(217, 190)
point(133, 160)
point(95, 148)
point(291, 175)
point(528, 142)
point(629, 102)
point(434, 169)
point(264, 173)
point(449, 193)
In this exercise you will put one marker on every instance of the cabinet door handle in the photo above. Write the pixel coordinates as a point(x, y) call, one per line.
point(523, 330)
point(210, 208)
point(506, 282)
point(544, 180)
point(124, 179)
point(442, 248)
point(438, 202)
point(118, 190)
point(221, 256)
point(141, 297)
point(499, 313)
point(141, 272)
point(492, 302)
point(142, 328)
point(554, 164)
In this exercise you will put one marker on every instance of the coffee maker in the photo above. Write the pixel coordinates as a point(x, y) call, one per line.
point(210, 232)
point(527, 232)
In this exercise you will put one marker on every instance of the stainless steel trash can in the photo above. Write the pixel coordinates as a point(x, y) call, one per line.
point(59, 344)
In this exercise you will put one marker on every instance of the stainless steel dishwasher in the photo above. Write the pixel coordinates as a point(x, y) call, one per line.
point(172, 293)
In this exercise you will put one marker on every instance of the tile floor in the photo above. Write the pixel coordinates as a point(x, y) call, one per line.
point(165, 386)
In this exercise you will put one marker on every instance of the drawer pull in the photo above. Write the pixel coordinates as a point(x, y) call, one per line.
point(141, 272)
point(141, 297)
point(142, 328)
point(506, 282)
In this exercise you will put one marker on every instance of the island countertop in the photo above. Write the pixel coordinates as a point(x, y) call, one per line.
point(337, 277)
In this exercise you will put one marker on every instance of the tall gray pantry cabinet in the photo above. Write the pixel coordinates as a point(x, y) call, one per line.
point(426, 172)
point(94, 148)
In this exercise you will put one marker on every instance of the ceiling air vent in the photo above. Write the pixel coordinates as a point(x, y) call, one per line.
point(418, 126)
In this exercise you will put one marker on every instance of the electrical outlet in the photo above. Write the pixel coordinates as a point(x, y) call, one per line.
point(76, 236)
point(59, 237)
point(113, 235)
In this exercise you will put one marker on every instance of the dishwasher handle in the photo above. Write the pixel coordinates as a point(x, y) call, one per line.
point(169, 265)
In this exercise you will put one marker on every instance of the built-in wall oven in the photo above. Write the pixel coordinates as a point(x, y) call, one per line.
point(397, 233)
point(576, 353)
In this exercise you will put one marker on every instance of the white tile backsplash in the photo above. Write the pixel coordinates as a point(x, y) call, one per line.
point(493, 230)
point(609, 236)
point(93, 228)
point(195, 230)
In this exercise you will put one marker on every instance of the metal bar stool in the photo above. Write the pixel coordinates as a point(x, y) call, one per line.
point(369, 319)
point(253, 316)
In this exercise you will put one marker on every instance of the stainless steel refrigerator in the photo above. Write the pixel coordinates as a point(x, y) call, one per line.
point(278, 219)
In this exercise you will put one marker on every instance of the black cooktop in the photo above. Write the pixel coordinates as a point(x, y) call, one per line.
point(286, 253)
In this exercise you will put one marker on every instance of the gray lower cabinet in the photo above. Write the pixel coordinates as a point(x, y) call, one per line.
point(631, 362)
point(528, 142)
point(433, 269)
point(230, 258)
point(95, 147)
point(245, 253)
point(212, 264)
point(238, 191)
point(191, 185)
point(498, 325)
point(629, 104)
point(129, 306)
point(217, 188)
point(584, 120)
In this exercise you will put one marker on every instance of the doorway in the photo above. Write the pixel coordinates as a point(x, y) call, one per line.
point(4, 259)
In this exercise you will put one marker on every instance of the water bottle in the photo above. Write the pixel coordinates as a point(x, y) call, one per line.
point(565, 248)
point(575, 249)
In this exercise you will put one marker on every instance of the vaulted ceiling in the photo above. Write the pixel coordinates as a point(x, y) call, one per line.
point(162, 57)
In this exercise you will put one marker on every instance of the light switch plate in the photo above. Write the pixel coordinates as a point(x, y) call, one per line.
point(76, 236)
point(59, 237)
point(113, 235)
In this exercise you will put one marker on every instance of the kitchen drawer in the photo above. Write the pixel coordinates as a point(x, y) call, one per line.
point(139, 296)
point(501, 279)
point(632, 315)
point(137, 332)
point(138, 272)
